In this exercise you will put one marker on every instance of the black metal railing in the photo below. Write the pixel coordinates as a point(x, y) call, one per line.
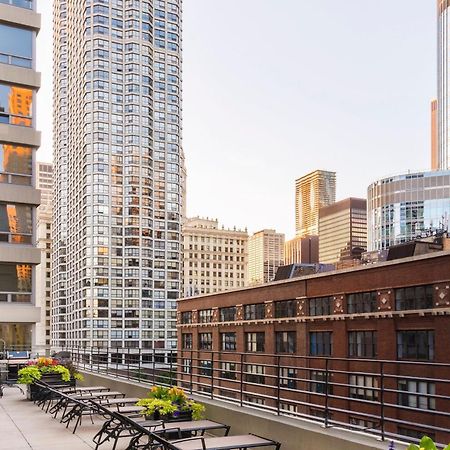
point(382, 397)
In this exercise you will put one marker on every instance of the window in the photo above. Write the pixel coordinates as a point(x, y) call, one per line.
point(16, 223)
point(205, 341)
point(285, 342)
point(186, 341)
point(205, 368)
point(187, 366)
point(16, 105)
point(254, 342)
point(362, 302)
point(320, 306)
point(286, 308)
point(362, 423)
point(321, 343)
point(15, 283)
point(16, 46)
point(319, 384)
point(417, 344)
point(228, 370)
point(362, 344)
point(416, 393)
point(286, 377)
point(415, 433)
point(363, 387)
point(228, 314)
point(228, 341)
point(28, 4)
point(15, 164)
point(254, 373)
point(418, 297)
point(254, 312)
point(205, 315)
point(186, 317)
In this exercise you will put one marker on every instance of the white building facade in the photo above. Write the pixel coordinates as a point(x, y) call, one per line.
point(215, 259)
point(116, 271)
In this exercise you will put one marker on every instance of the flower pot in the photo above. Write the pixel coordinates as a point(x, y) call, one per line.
point(33, 391)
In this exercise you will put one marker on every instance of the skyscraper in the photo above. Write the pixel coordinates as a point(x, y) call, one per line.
point(116, 269)
point(343, 231)
point(443, 89)
point(44, 182)
point(265, 255)
point(19, 82)
point(434, 136)
point(215, 259)
point(312, 192)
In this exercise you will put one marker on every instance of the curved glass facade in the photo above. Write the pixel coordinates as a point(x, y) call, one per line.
point(400, 207)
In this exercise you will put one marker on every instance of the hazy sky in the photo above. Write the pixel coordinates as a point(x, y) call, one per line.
point(276, 88)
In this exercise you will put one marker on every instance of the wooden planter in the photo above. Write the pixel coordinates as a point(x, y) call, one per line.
point(52, 380)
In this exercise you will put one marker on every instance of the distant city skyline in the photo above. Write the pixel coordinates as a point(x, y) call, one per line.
point(327, 89)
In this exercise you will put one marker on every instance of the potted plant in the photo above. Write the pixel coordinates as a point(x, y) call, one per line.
point(48, 370)
point(426, 443)
point(170, 404)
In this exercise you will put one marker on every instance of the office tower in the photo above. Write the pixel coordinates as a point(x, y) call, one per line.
point(19, 82)
point(312, 192)
point(343, 231)
point(302, 250)
point(116, 261)
point(265, 255)
point(443, 90)
point(44, 182)
point(215, 259)
point(405, 206)
point(434, 136)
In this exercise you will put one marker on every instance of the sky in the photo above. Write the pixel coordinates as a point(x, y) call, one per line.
point(273, 89)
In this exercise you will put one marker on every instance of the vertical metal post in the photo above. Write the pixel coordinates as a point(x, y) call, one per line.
point(191, 369)
point(91, 361)
point(278, 381)
point(117, 362)
point(139, 364)
point(212, 374)
point(241, 383)
point(382, 400)
point(128, 364)
point(107, 359)
point(326, 392)
point(170, 368)
point(154, 367)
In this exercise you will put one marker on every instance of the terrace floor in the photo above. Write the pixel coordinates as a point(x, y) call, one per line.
point(24, 426)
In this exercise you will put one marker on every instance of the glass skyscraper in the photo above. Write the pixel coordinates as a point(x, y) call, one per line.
point(118, 175)
point(402, 207)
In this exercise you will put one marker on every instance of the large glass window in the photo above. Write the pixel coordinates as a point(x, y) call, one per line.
point(362, 344)
point(285, 342)
point(17, 336)
point(362, 302)
point(320, 306)
point(228, 314)
point(415, 344)
point(20, 3)
point(254, 373)
point(418, 297)
point(417, 394)
point(15, 164)
point(228, 341)
point(205, 341)
point(16, 105)
point(15, 223)
point(16, 46)
point(320, 343)
point(205, 316)
point(286, 308)
point(15, 283)
point(254, 342)
point(364, 387)
point(320, 383)
point(254, 312)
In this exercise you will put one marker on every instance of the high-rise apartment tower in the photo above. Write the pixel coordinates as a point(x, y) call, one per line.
point(19, 82)
point(312, 192)
point(443, 101)
point(116, 268)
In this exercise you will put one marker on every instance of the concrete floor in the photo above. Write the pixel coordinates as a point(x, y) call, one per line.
point(24, 426)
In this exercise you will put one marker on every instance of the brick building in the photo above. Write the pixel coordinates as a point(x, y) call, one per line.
point(365, 347)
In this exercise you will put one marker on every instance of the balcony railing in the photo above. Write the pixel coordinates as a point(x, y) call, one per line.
point(391, 399)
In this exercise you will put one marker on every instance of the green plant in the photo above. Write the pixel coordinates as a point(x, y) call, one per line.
point(198, 410)
point(164, 407)
point(425, 443)
point(29, 374)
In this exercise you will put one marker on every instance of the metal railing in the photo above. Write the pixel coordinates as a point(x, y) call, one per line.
point(387, 398)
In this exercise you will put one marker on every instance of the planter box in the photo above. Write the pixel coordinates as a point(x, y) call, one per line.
point(51, 380)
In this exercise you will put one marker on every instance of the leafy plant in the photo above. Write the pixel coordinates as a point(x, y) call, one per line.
point(425, 443)
point(170, 401)
point(29, 374)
